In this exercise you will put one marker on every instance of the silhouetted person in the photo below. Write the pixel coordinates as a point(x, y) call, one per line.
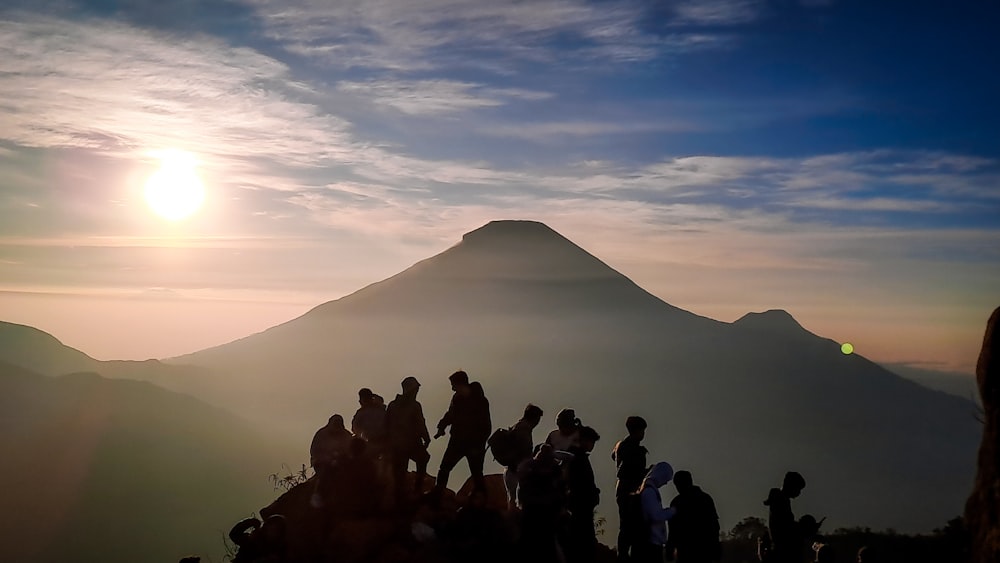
point(629, 456)
point(354, 484)
point(469, 418)
point(654, 514)
point(328, 449)
point(369, 420)
point(981, 513)
point(786, 537)
point(408, 436)
point(567, 432)
point(694, 530)
point(583, 497)
point(260, 543)
point(540, 494)
point(521, 445)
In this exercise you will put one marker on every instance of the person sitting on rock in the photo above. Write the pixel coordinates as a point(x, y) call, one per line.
point(330, 446)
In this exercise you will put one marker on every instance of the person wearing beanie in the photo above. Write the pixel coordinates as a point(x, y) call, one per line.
point(654, 513)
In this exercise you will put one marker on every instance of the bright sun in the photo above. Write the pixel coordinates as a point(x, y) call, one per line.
point(174, 191)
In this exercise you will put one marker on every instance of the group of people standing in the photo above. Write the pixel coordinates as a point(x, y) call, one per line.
point(550, 486)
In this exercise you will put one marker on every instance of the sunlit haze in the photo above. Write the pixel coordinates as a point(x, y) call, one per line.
point(177, 179)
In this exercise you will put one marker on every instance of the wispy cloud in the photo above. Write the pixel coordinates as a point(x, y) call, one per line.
point(431, 97)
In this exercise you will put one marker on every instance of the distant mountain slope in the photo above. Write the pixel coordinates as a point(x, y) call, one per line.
point(535, 318)
point(122, 471)
point(955, 383)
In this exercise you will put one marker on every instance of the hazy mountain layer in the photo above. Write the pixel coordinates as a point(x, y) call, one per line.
point(121, 471)
point(536, 318)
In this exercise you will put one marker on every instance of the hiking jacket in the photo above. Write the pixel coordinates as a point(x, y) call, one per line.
point(369, 423)
point(469, 418)
point(653, 512)
point(694, 531)
point(405, 424)
point(630, 458)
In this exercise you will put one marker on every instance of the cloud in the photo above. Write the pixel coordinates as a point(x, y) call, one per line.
point(717, 12)
point(416, 35)
point(430, 97)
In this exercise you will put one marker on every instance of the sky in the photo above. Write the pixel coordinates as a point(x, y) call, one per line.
point(838, 159)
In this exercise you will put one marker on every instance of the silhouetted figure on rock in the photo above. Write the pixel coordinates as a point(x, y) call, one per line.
point(469, 418)
point(330, 446)
point(654, 514)
point(567, 432)
point(982, 511)
point(369, 420)
point(408, 437)
point(541, 496)
point(694, 530)
point(582, 498)
point(629, 456)
point(786, 538)
point(520, 445)
point(258, 543)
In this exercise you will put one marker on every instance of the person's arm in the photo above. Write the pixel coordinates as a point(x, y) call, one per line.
point(446, 419)
point(652, 509)
point(422, 425)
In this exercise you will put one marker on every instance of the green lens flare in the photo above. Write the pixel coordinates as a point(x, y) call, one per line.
point(847, 348)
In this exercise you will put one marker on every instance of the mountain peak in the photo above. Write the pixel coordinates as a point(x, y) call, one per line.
point(507, 229)
point(773, 320)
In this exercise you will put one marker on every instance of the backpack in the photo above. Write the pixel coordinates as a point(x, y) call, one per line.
point(501, 443)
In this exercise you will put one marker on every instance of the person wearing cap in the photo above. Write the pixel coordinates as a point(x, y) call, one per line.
point(654, 514)
point(787, 541)
point(407, 436)
point(469, 418)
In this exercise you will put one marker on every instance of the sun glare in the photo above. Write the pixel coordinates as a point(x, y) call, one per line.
point(175, 191)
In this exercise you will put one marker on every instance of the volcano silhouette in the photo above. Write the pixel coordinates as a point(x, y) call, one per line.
point(536, 318)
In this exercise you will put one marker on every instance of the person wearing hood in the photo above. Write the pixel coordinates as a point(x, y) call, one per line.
point(694, 531)
point(330, 447)
point(407, 437)
point(653, 512)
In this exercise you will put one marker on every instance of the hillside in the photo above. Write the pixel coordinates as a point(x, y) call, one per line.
point(535, 318)
point(122, 471)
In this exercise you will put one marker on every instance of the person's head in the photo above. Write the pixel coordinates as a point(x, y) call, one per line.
point(636, 426)
point(410, 386)
point(377, 400)
point(588, 438)
point(274, 529)
point(336, 421)
point(545, 453)
point(683, 481)
point(365, 396)
point(566, 421)
point(793, 484)
point(659, 475)
point(459, 381)
point(476, 389)
point(532, 414)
